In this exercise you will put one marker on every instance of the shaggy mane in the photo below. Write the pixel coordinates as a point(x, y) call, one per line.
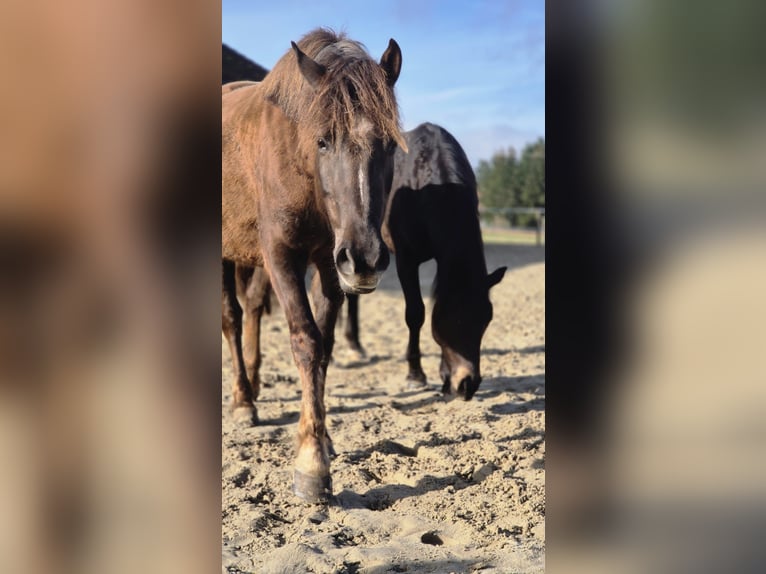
point(354, 85)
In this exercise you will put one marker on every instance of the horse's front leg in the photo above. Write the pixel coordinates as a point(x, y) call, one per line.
point(414, 315)
point(312, 464)
point(351, 330)
point(328, 298)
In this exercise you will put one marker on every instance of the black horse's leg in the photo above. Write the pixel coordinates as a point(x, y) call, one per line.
point(312, 464)
point(351, 330)
point(327, 298)
point(242, 397)
point(253, 292)
point(414, 315)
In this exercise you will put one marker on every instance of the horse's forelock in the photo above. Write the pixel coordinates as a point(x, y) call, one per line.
point(356, 90)
point(342, 51)
point(355, 86)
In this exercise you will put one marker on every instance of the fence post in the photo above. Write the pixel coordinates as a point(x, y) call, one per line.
point(538, 219)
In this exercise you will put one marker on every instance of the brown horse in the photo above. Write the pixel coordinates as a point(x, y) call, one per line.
point(307, 161)
point(432, 213)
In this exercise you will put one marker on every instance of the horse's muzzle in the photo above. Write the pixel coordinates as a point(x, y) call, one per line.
point(359, 271)
point(466, 388)
point(356, 285)
point(462, 382)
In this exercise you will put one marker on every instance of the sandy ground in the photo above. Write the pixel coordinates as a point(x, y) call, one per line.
point(422, 484)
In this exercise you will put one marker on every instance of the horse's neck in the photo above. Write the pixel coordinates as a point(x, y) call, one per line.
point(461, 267)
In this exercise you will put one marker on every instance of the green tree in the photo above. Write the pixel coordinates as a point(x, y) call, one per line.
point(531, 182)
point(506, 181)
point(496, 180)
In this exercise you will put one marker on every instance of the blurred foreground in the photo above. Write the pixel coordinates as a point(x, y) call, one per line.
point(109, 235)
point(109, 245)
point(657, 386)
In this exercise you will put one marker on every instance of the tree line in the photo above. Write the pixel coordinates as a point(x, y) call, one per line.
point(509, 181)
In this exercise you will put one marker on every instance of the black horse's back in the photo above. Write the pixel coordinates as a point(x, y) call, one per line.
point(235, 67)
point(434, 204)
point(435, 158)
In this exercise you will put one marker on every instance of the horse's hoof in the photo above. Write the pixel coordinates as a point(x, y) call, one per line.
point(359, 351)
point(416, 382)
point(312, 489)
point(245, 415)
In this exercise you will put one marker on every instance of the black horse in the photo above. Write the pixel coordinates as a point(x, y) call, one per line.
point(432, 213)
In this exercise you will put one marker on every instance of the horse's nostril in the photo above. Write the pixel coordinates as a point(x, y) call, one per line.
point(344, 261)
point(383, 260)
point(462, 388)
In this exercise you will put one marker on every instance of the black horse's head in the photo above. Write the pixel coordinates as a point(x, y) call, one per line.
point(356, 132)
point(458, 324)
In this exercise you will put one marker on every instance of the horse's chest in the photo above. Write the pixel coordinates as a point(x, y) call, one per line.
point(306, 231)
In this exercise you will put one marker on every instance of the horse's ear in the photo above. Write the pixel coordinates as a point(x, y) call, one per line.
point(391, 62)
point(495, 277)
point(310, 69)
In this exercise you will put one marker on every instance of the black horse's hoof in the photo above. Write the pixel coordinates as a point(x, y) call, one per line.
point(245, 415)
point(416, 381)
point(359, 351)
point(312, 489)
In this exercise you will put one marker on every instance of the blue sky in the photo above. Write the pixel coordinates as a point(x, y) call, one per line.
point(475, 67)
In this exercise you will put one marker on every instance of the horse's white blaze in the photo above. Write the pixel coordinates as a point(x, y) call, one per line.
point(363, 192)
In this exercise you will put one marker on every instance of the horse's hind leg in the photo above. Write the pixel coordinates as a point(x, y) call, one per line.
point(242, 398)
point(414, 315)
point(253, 293)
point(351, 329)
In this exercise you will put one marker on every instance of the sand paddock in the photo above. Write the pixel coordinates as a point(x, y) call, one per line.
point(422, 484)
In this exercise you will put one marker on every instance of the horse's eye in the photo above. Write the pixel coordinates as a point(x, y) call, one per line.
point(322, 144)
